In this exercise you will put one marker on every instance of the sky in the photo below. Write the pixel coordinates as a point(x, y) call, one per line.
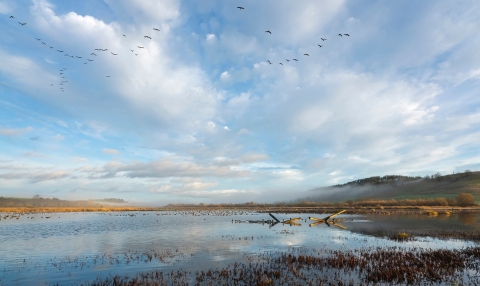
point(203, 111)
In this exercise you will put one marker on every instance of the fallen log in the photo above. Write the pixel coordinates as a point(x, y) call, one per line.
point(328, 217)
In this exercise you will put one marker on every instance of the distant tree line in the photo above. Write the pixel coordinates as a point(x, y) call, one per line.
point(38, 201)
point(462, 200)
point(378, 180)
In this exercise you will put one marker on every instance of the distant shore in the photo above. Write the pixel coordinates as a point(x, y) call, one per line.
point(429, 210)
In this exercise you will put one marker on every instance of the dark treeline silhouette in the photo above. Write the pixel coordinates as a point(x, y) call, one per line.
point(377, 180)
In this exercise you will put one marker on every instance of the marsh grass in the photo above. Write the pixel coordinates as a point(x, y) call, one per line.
point(73, 209)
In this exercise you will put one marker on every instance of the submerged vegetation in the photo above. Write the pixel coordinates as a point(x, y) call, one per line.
point(350, 267)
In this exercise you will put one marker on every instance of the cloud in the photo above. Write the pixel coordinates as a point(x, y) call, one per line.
point(58, 137)
point(34, 154)
point(252, 157)
point(392, 100)
point(215, 194)
point(110, 151)
point(5, 8)
point(36, 177)
point(14, 131)
point(168, 168)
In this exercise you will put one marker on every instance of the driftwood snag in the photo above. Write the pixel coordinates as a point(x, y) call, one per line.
point(327, 220)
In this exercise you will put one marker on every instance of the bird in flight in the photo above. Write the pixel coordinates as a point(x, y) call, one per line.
point(287, 60)
point(147, 37)
point(280, 64)
point(319, 45)
point(23, 24)
point(44, 43)
point(132, 50)
point(241, 8)
point(51, 47)
point(124, 35)
point(323, 39)
point(268, 61)
point(347, 35)
point(93, 54)
point(113, 54)
point(89, 60)
point(306, 55)
point(136, 54)
point(268, 31)
point(295, 60)
point(340, 35)
point(108, 76)
point(59, 51)
point(37, 39)
point(156, 29)
point(11, 17)
point(140, 47)
point(79, 57)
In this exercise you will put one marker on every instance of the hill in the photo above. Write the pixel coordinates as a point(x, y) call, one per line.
point(401, 187)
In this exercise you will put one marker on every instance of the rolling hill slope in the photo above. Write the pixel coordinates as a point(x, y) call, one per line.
point(401, 187)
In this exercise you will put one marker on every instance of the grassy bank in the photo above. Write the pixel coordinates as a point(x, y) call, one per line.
point(73, 209)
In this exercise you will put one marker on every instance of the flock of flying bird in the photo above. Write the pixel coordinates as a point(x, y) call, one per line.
point(296, 60)
point(62, 71)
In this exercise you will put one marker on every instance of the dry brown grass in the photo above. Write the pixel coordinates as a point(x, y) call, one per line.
point(73, 209)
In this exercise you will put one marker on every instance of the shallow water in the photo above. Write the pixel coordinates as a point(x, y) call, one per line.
point(71, 248)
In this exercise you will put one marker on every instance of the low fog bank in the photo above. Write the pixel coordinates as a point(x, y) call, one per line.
point(368, 188)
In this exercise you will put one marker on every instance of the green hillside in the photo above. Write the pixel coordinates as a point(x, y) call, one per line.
point(402, 187)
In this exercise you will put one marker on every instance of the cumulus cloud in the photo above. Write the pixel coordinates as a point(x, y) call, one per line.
point(168, 168)
point(396, 100)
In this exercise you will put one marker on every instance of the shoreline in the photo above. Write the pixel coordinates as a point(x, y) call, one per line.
point(283, 209)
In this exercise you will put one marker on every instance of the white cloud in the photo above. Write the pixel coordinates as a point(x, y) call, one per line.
point(225, 76)
point(400, 98)
point(210, 38)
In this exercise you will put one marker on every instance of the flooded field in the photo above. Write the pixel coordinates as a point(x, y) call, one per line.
point(223, 247)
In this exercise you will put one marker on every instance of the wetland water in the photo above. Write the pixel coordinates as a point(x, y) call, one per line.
point(80, 248)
